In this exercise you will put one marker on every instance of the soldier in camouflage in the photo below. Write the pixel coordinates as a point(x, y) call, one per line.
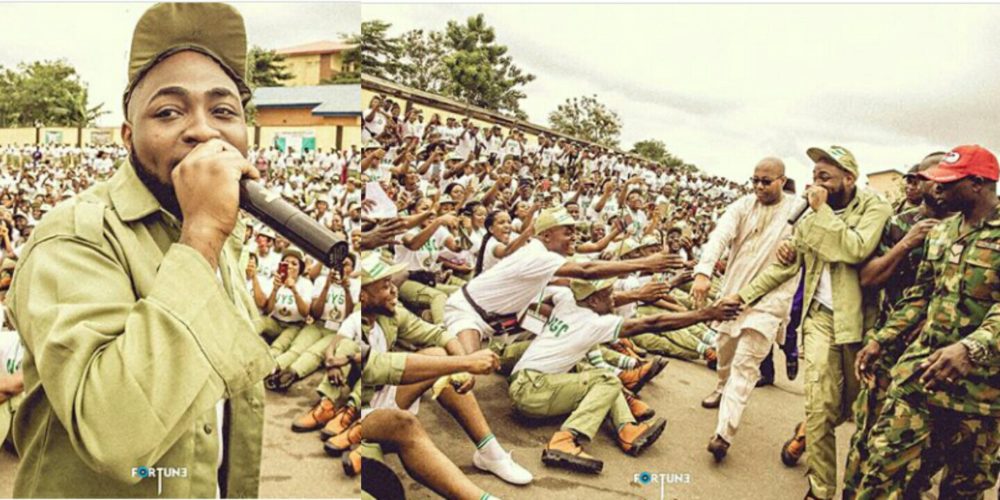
point(943, 405)
point(891, 271)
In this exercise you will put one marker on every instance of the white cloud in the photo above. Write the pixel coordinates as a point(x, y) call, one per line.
point(95, 37)
point(724, 85)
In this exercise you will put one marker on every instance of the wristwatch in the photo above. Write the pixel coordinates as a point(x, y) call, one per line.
point(978, 353)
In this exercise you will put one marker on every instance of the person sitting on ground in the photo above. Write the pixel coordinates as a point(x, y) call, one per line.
point(542, 385)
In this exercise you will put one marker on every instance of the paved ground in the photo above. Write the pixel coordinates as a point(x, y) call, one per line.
point(752, 470)
point(293, 465)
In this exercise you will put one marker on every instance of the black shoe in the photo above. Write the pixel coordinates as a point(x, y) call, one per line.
point(718, 447)
point(712, 400)
point(792, 368)
point(380, 481)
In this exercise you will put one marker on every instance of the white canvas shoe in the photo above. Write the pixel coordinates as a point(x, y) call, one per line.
point(505, 468)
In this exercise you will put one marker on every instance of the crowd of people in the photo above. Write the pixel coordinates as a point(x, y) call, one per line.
point(573, 271)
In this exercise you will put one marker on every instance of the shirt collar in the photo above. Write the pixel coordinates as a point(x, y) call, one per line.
point(130, 197)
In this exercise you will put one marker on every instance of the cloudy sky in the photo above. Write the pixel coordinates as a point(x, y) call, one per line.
point(724, 85)
point(95, 38)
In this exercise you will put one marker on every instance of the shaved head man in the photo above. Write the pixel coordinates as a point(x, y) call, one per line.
point(752, 228)
point(768, 180)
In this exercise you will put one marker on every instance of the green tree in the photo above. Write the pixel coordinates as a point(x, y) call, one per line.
point(75, 111)
point(36, 93)
point(587, 118)
point(655, 151)
point(479, 69)
point(266, 68)
point(10, 112)
point(422, 60)
point(380, 53)
point(351, 73)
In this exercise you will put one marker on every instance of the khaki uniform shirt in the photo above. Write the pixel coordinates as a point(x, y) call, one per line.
point(404, 325)
point(957, 292)
point(843, 243)
point(131, 340)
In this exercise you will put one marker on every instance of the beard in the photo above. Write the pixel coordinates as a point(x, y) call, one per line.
point(932, 202)
point(838, 198)
point(164, 193)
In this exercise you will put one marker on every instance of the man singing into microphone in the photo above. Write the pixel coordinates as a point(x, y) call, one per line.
point(142, 354)
point(832, 241)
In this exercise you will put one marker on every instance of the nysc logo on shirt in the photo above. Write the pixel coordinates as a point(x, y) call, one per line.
point(557, 326)
point(159, 473)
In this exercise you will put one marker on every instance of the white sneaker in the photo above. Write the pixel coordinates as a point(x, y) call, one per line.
point(505, 468)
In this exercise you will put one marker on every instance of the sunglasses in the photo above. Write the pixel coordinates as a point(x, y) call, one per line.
point(762, 181)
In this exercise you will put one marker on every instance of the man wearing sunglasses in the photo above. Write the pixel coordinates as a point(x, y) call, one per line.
point(943, 405)
point(842, 230)
point(752, 228)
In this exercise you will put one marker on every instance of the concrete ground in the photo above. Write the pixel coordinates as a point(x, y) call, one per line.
point(293, 465)
point(752, 470)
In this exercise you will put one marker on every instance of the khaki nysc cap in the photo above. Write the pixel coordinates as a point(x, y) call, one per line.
point(835, 155)
point(213, 29)
point(553, 217)
point(585, 288)
point(374, 268)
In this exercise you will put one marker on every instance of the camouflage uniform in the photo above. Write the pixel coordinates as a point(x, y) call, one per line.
point(868, 405)
point(956, 426)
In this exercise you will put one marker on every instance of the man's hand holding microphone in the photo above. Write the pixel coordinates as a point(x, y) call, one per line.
point(206, 183)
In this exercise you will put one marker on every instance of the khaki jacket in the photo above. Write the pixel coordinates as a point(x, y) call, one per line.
point(131, 341)
point(843, 242)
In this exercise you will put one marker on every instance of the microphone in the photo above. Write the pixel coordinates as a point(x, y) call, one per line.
point(798, 212)
point(287, 220)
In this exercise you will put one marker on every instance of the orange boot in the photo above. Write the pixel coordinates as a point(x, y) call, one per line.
point(343, 441)
point(626, 348)
point(640, 410)
point(635, 379)
point(633, 438)
point(711, 358)
point(352, 463)
point(793, 449)
point(564, 451)
point(315, 418)
point(340, 422)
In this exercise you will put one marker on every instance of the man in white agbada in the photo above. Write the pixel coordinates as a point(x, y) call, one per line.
point(752, 229)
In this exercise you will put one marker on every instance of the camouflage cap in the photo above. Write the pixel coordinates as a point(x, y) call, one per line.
point(374, 267)
point(585, 288)
point(837, 156)
point(213, 29)
point(626, 246)
point(553, 217)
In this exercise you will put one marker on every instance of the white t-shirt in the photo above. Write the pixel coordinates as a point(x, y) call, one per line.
point(569, 334)
point(630, 283)
point(517, 280)
point(489, 259)
point(285, 308)
point(373, 128)
point(334, 306)
point(350, 328)
point(425, 257)
point(11, 353)
point(639, 221)
point(824, 290)
point(267, 266)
